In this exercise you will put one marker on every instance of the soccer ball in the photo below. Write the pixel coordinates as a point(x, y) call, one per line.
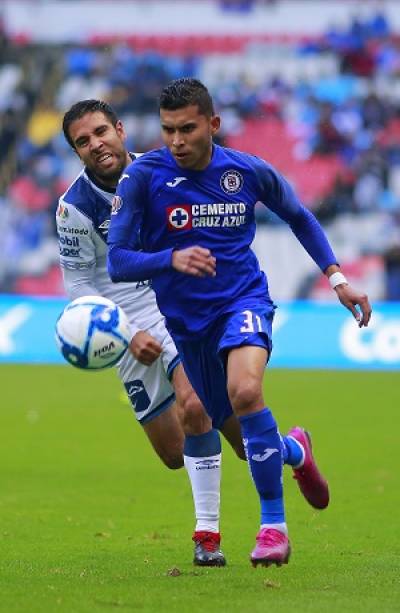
point(92, 333)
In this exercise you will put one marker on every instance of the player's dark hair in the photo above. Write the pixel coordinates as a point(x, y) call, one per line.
point(186, 92)
point(79, 109)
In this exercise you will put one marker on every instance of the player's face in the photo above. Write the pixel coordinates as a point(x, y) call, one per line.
point(188, 135)
point(100, 146)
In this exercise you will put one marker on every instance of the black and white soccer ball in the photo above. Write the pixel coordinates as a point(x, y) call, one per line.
point(92, 333)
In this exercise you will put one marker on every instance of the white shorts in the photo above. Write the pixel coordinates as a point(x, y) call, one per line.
point(148, 387)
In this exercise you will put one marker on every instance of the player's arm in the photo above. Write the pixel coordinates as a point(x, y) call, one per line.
point(348, 296)
point(126, 260)
point(78, 266)
point(77, 251)
point(278, 195)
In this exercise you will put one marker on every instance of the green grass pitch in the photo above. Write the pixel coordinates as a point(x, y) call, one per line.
point(90, 520)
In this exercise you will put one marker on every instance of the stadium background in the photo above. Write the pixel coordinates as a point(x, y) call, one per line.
point(90, 521)
point(319, 98)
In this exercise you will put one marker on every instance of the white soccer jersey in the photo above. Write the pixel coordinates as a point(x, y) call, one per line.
point(83, 217)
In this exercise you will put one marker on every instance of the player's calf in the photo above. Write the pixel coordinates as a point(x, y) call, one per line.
point(194, 418)
point(166, 437)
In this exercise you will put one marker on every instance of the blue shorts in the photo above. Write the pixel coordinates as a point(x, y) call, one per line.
point(204, 360)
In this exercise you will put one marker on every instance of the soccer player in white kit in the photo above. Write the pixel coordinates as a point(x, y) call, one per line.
point(163, 400)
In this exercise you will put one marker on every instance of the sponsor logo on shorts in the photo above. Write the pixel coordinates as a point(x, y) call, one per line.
point(137, 395)
point(231, 182)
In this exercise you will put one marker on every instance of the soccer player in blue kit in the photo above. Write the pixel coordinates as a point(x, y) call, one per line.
point(183, 216)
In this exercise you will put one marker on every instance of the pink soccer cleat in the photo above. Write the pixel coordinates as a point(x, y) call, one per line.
point(310, 481)
point(272, 547)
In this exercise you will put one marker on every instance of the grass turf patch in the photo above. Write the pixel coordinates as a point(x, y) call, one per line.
point(92, 521)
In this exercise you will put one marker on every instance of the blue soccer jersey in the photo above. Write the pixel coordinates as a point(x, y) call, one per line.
point(160, 207)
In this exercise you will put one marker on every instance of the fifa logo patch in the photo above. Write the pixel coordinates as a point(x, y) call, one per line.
point(179, 217)
point(62, 211)
point(231, 182)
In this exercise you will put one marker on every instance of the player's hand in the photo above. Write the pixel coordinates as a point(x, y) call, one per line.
point(195, 261)
point(145, 348)
point(352, 299)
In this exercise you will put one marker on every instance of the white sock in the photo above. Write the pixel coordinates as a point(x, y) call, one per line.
point(281, 527)
point(205, 479)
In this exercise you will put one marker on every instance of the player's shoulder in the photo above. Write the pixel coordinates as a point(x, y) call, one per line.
point(247, 160)
point(146, 162)
point(249, 164)
point(80, 194)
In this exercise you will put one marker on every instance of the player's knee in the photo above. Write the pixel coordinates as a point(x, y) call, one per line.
point(245, 395)
point(195, 418)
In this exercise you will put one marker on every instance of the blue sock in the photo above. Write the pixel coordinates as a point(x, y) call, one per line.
point(202, 445)
point(292, 452)
point(264, 455)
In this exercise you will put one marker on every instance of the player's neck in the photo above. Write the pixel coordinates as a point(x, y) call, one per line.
point(106, 185)
point(205, 160)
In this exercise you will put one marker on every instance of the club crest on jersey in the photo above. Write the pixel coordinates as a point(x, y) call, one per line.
point(116, 204)
point(179, 217)
point(62, 211)
point(231, 182)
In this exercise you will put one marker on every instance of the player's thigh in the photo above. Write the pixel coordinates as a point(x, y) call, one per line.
point(246, 343)
point(169, 356)
point(148, 387)
point(166, 436)
point(193, 414)
point(205, 372)
point(245, 371)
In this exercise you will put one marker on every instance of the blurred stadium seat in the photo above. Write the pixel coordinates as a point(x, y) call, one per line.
point(323, 108)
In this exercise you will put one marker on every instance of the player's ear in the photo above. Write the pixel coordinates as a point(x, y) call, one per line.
point(119, 128)
point(215, 123)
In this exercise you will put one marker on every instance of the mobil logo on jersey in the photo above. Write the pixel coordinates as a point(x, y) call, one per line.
point(214, 215)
